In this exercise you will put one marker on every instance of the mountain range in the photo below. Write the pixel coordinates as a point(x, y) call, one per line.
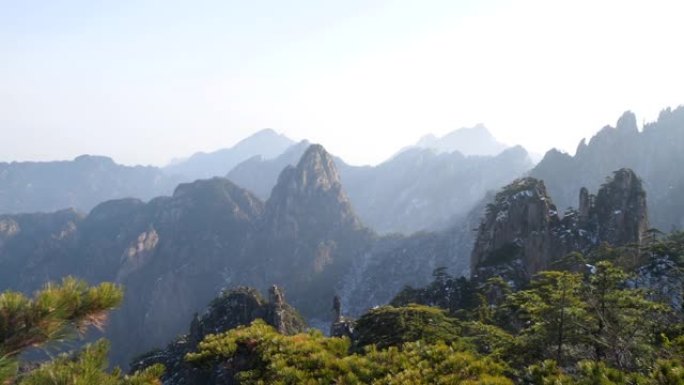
point(412, 191)
point(173, 254)
point(421, 174)
point(655, 153)
point(265, 143)
point(476, 140)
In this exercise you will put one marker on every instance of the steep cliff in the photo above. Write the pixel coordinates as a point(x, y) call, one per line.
point(310, 235)
point(523, 232)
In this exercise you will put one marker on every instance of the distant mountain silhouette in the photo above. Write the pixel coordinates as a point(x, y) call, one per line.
point(89, 180)
point(475, 140)
point(265, 143)
point(80, 184)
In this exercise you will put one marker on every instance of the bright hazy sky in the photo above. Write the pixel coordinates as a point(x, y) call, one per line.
point(147, 81)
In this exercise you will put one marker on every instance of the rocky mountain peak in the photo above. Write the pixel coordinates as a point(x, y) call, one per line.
point(316, 171)
point(309, 198)
point(217, 195)
point(98, 160)
point(265, 143)
point(523, 233)
point(517, 225)
point(627, 123)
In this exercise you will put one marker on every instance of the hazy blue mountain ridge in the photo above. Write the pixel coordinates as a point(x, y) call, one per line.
point(655, 153)
point(265, 143)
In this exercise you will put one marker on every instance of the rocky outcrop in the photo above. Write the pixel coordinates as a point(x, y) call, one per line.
point(523, 232)
point(341, 326)
point(663, 280)
point(232, 308)
point(654, 153)
point(620, 209)
point(309, 199)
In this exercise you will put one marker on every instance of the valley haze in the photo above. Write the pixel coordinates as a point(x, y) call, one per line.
point(367, 192)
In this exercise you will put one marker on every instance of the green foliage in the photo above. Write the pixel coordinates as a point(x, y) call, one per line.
point(587, 372)
point(393, 326)
point(671, 246)
point(490, 339)
point(552, 311)
point(563, 328)
point(622, 324)
point(55, 313)
point(86, 368)
point(669, 372)
point(457, 295)
point(270, 358)
point(569, 317)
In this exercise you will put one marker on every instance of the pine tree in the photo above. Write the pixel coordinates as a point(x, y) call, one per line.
point(552, 309)
point(622, 324)
point(55, 313)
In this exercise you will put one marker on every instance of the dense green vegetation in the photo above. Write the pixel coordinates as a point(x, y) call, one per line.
point(271, 358)
point(56, 313)
point(583, 324)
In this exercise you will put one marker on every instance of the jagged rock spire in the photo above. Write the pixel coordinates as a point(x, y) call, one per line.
point(522, 232)
point(337, 309)
point(620, 209)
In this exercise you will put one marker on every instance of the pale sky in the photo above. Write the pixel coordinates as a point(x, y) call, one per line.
point(147, 81)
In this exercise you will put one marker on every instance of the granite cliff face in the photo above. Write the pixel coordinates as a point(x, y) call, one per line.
point(620, 209)
point(523, 232)
point(655, 153)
